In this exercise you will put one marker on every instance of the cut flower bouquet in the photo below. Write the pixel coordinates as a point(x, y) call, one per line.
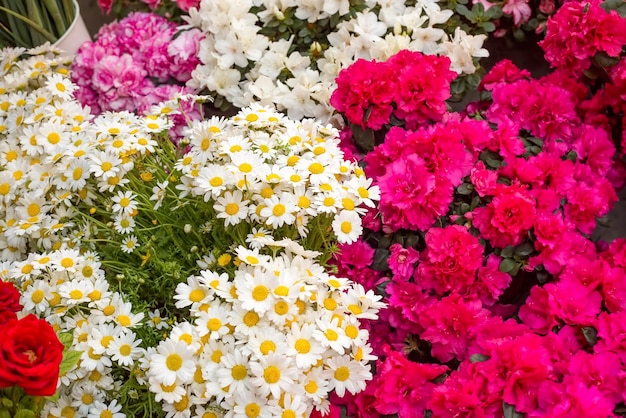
point(192, 278)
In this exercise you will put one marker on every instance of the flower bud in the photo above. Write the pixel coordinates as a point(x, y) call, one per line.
point(187, 228)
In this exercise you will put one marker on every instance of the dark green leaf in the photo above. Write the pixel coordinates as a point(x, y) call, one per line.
point(380, 260)
point(488, 26)
point(507, 265)
point(524, 249)
point(507, 252)
point(465, 189)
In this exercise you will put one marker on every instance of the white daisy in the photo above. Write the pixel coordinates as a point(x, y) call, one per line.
point(173, 360)
point(231, 207)
point(344, 373)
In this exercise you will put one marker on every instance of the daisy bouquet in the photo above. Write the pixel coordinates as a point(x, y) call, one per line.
point(288, 54)
point(136, 63)
point(499, 301)
point(156, 258)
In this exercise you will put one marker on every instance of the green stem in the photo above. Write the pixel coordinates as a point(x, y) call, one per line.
point(49, 36)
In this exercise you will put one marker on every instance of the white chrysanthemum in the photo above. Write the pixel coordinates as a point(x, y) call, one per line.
point(301, 345)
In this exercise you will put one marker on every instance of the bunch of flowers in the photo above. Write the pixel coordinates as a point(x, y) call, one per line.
point(135, 63)
point(288, 54)
point(273, 341)
point(172, 9)
point(107, 228)
point(31, 357)
point(498, 301)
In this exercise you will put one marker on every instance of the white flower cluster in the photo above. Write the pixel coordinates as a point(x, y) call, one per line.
point(260, 167)
point(272, 341)
point(243, 65)
point(70, 291)
point(53, 155)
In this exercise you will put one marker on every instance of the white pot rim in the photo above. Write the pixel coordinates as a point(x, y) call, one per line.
point(74, 22)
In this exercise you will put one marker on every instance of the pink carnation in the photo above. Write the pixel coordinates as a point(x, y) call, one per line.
point(484, 180)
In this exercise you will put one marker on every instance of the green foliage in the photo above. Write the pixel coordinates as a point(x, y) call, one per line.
point(30, 23)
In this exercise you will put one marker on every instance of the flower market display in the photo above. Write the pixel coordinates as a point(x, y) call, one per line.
point(288, 53)
point(302, 209)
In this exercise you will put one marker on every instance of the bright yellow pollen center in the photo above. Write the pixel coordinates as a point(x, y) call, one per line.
point(196, 295)
point(245, 168)
point(125, 349)
point(279, 210)
point(302, 346)
point(311, 387)
point(331, 335)
point(330, 304)
point(214, 324)
point(346, 227)
point(239, 372)
point(316, 168)
point(342, 373)
point(123, 320)
point(37, 296)
point(232, 209)
point(216, 181)
point(174, 362)
point(281, 307)
point(106, 340)
point(251, 318)
point(260, 293)
point(267, 346)
point(271, 374)
point(76, 294)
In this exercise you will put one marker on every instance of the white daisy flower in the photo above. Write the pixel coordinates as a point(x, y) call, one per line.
point(173, 360)
point(301, 346)
point(124, 349)
point(347, 227)
point(231, 207)
point(129, 244)
point(124, 202)
point(272, 374)
point(100, 409)
point(344, 373)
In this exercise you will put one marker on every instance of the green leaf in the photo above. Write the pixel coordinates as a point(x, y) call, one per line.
point(479, 358)
point(24, 413)
point(488, 26)
point(66, 339)
point(70, 359)
point(465, 189)
point(524, 249)
point(508, 265)
point(507, 252)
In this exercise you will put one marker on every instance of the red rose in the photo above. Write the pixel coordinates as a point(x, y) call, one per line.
point(30, 356)
point(9, 297)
